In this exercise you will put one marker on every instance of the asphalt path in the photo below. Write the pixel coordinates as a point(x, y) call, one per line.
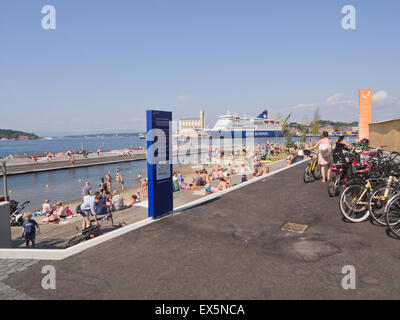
point(233, 248)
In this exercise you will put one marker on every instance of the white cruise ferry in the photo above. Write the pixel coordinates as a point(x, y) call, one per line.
point(232, 125)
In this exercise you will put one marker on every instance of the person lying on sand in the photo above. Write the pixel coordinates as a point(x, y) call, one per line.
point(222, 184)
point(53, 218)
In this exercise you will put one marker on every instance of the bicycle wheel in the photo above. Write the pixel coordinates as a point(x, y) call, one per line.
point(353, 203)
point(317, 172)
point(75, 240)
point(307, 177)
point(377, 204)
point(392, 215)
point(332, 185)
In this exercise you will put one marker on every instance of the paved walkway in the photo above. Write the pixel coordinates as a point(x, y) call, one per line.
point(233, 248)
point(8, 267)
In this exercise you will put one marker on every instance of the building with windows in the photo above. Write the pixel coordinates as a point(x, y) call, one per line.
point(191, 125)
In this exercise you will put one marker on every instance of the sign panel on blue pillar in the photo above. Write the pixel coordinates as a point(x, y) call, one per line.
point(159, 162)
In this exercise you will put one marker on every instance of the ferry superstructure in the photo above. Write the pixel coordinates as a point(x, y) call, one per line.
point(234, 126)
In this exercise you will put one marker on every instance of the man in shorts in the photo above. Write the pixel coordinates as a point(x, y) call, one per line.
point(88, 207)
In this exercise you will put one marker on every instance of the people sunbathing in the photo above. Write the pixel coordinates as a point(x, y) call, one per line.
point(61, 210)
point(53, 218)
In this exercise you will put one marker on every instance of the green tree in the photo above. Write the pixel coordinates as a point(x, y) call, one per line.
point(286, 131)
point(316, 123)
point(304, 130)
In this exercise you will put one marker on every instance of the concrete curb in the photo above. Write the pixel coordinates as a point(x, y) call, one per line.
point(60, 254)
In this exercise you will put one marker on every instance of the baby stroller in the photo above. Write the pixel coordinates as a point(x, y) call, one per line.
point(16, 214)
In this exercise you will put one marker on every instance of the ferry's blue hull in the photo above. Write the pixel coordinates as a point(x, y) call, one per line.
point(245, 134)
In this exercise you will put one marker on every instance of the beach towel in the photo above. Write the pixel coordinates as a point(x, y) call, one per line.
point(198, 192)
point(144, 204)
point(37, 214)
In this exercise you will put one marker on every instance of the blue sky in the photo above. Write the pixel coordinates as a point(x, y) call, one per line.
point(109, 60)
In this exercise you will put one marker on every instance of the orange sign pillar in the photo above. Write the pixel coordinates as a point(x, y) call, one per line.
point(365, 113)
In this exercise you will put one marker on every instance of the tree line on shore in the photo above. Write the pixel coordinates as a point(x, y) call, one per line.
point(13, 134)
point(308, 127)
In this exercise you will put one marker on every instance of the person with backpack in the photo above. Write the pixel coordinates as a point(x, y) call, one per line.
point(29, 232)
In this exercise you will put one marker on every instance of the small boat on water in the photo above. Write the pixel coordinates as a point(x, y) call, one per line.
point(142, 136)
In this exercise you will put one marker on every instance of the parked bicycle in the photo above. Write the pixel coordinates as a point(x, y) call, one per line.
point(313, 169)
point(392, 214)
point(380, 196)
point(91, 232)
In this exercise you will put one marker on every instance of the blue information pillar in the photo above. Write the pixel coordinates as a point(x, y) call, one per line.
point(159, 162)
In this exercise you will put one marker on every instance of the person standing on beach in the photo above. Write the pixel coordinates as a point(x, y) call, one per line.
point(88, 207)
point(140, 179)
point(117, 176)
point(86, 190)
point(109, 180)
point(117, 179)
point(144, 188)
point(102, 185)
point(122, 182)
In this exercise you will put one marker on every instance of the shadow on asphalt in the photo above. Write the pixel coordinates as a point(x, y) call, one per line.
point(389, 234)
point(196, 205)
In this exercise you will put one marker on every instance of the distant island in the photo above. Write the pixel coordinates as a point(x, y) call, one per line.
point(338, 124)
point(7, 134)
point(106, 135)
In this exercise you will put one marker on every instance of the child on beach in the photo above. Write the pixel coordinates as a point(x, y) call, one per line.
point(29, 232)
point(46, 208)
point(208, 190)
